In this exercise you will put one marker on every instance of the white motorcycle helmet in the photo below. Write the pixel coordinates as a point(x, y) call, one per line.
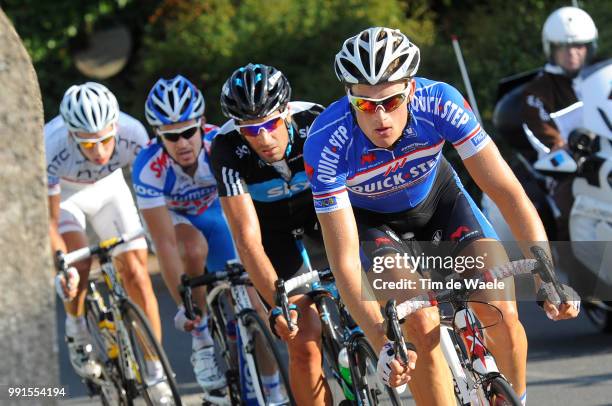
point(569, 25)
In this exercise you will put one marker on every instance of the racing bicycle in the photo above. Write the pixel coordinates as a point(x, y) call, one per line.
point(122, 339)
point(346, 351)
point(247, 348)
point(477, 380)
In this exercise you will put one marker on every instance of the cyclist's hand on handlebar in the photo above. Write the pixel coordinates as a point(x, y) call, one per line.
point(67, 291)
point(389, 368)
point(278, 323)
point(182, 323)
point(566, 310)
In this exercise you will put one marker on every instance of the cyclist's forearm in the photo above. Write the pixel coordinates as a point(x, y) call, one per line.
point(524, 221)
point(57, 242)
point(260, 269)
point(171, 266)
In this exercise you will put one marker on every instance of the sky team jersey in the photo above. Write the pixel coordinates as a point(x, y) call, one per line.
point(67, 165)
point(345, 168)
point(277, 190)
point(159, 181)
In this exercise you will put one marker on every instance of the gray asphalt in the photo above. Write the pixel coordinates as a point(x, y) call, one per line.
point(569, 362)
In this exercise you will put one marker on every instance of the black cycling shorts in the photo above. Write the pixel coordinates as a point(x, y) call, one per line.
point(280, 245)
point(448, 214)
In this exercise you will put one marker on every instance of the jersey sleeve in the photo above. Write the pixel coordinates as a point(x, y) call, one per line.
point(226, 166)
point(134, 133)
point(53, 157)
point(458, 124)
point(148, 178)
point(326, 167)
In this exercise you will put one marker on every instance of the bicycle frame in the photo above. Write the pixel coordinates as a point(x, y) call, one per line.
point(241, 303)
point(469, 342)
point(116, 295)
point(118, 344)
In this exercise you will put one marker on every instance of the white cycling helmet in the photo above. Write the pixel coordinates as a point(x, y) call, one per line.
point(89, 108)
point(377, 55)
point(569, 25)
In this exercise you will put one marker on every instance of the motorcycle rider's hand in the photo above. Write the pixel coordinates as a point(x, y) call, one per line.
point(560, 144)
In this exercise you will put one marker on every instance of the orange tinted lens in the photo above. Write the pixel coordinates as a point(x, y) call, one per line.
point(106, 141)
point(365, 105)
point(393, 102)
point(90, 145)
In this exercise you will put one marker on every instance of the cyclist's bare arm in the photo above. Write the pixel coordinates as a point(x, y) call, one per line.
point(162, 232)
point(494, 177)
point(244, 224)
point(342, 247)
point(57, 242)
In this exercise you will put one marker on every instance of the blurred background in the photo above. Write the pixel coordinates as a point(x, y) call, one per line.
point(128, 44)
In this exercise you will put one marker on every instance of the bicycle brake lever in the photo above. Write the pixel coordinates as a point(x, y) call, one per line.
point(283, 302)
point(185, 293)
point(394, 332)
point(545, 270)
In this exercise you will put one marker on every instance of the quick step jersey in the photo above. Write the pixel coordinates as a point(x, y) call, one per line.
point(345, 168)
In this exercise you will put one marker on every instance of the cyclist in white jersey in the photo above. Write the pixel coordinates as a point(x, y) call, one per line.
point(177, 195)
point(87, 147)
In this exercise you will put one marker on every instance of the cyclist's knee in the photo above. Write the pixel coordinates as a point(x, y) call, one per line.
point(491, 316)
point(423, 329)
point(133, 266)
point(304, 349)
point(194, 258)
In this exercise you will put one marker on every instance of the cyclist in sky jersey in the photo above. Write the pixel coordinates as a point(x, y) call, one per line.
point(258, 162)
point(374, 160)
point(177, 195)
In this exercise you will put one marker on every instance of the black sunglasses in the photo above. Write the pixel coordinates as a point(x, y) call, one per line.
point(174, 135)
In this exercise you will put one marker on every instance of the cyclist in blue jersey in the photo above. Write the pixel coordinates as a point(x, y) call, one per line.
point(257, 160)
point(374, 159)
point(177, 195)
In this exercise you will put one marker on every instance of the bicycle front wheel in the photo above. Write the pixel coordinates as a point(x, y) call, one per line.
point(370, 389)
point(155, 387)
point(267, 359)
point(110, 386)
point(499, 392)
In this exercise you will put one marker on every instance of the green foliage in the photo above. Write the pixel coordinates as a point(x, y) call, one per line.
point(53, 30)
point(208, 39)
point(499, 38)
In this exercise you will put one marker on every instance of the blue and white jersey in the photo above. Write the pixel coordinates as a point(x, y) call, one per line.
point(159, 181)
point(345, 168)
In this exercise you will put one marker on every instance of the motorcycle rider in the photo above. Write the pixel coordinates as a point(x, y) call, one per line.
point(569, 40)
